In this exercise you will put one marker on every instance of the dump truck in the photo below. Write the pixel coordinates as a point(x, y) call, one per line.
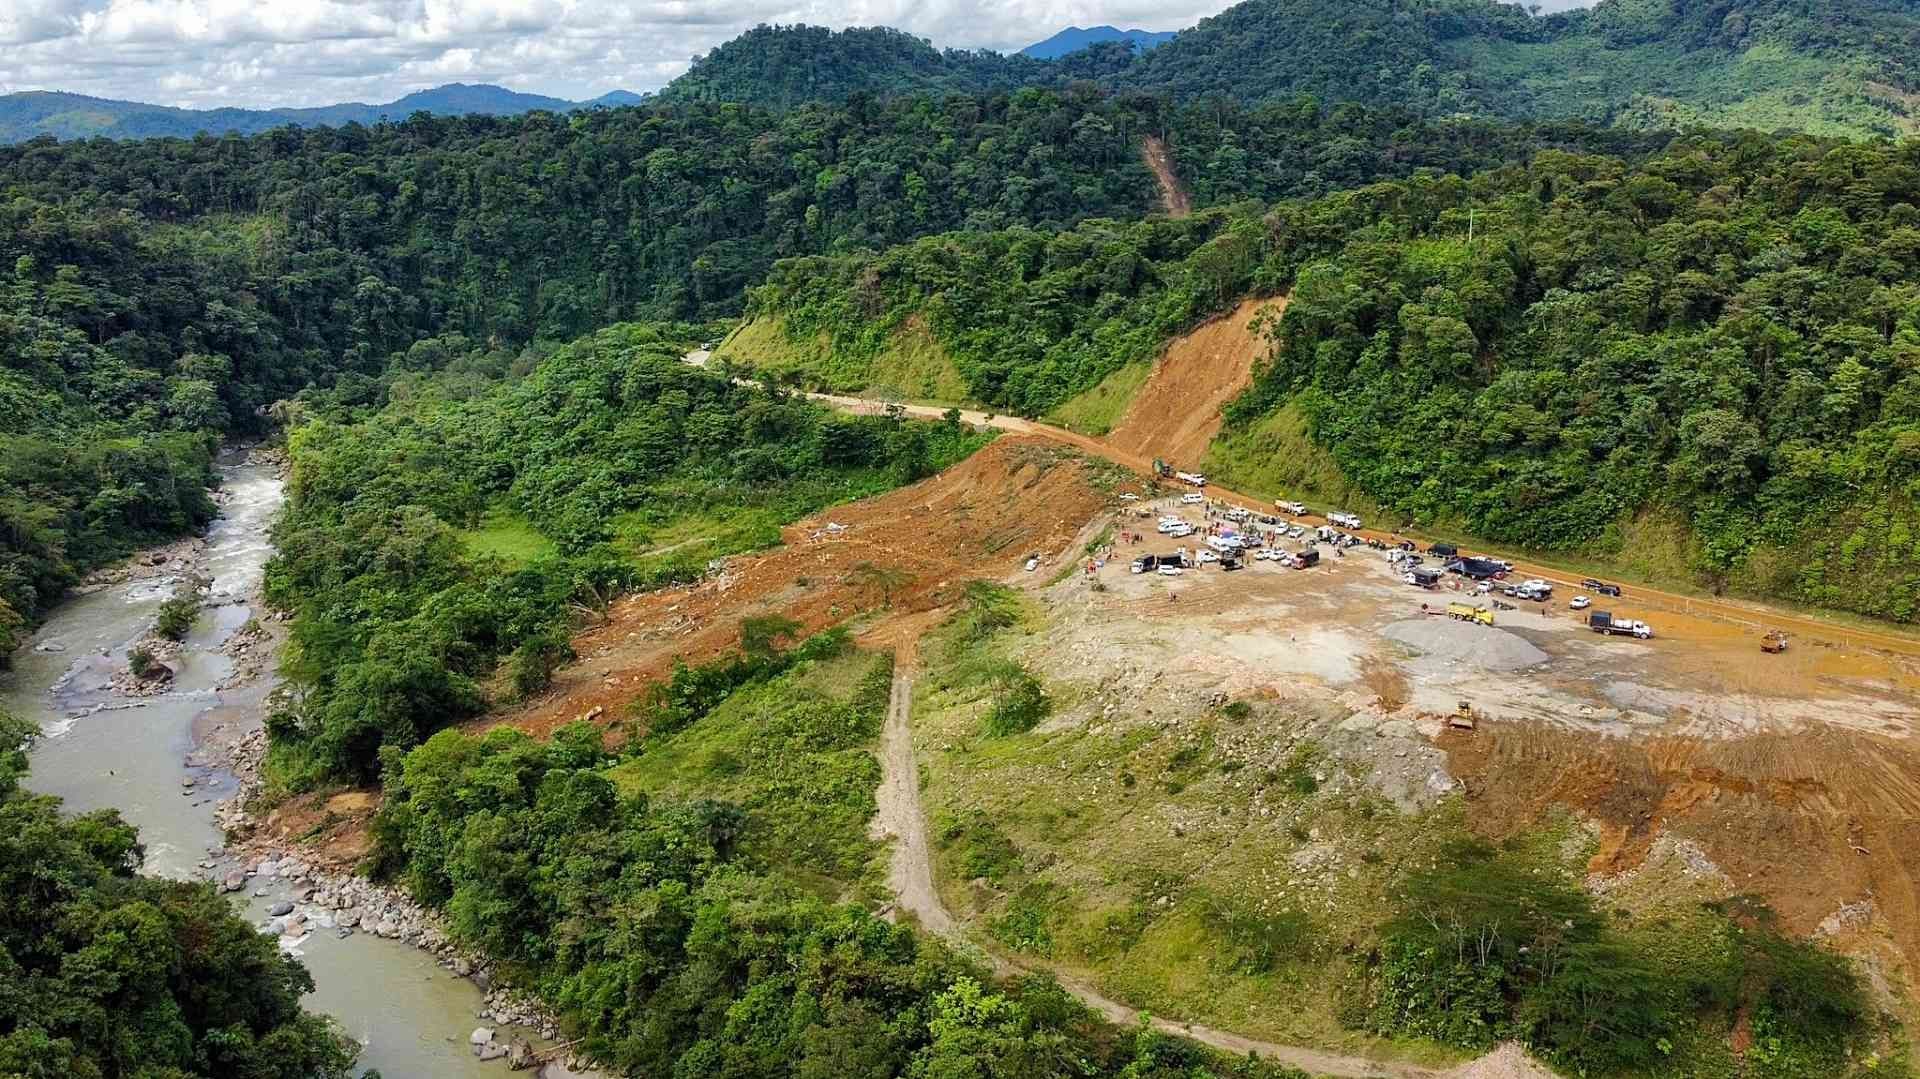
point(1774, 643)
point(1467, 612)
point(1605, 622)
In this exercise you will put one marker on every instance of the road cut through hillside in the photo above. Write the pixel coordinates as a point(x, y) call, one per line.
point(1752, 615)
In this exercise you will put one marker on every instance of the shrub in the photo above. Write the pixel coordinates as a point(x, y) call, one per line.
point(533, 663)
point(176, 616)
point(1019, 707)
point(140, 661)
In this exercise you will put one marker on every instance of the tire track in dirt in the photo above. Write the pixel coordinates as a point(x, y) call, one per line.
point(900, 817)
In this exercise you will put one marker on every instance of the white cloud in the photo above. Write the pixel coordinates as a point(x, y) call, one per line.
point(265, 53)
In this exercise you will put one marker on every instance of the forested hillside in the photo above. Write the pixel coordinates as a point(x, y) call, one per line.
point(1701, 365)
point(783, 66)
point(1832, 68)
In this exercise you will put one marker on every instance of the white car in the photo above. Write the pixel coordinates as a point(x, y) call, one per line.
point(1484, 587)
point(1208, 556)
point(1180, 531)
point(1170, 571)
point(1193, 498)
point(1579, 603)
point(1032, 564)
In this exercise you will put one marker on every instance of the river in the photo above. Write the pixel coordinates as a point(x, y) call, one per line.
point(103, 750)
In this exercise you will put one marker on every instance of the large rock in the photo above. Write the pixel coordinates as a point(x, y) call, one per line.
point(280, 909)
point(233, 881)
point(481, 1036)
point(386, 929)
point(349, 918)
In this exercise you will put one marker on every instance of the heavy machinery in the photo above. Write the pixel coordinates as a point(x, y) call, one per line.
point(1467, 612)
point(1774, 643)
point(1463, 717)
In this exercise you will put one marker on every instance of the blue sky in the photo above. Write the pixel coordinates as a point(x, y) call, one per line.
point(263, 53)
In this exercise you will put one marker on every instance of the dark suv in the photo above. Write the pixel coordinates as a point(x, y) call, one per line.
point(1600, 587)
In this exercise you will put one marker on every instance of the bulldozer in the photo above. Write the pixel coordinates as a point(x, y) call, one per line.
point(1463, 717)
point(1774, 643)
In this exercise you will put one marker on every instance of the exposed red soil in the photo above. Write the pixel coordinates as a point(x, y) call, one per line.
point(1807, 821)
point(979, 519)
point(1177, 413)
point(1173, 194)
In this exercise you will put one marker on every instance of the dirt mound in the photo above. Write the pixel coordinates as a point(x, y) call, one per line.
point(908, 551)
point(1509, 1061)
point(1465, 642)
point(1177, 413)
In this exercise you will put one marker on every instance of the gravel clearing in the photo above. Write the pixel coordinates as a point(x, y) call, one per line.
point(1465, 642)
point(1509, 1061)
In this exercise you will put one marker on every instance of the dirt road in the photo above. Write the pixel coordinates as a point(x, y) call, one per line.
point(1755, 615)
point(899, 816)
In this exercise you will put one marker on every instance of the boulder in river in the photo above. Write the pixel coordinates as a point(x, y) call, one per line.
point(233, 881)
point(281, 908)
point(481, 1036)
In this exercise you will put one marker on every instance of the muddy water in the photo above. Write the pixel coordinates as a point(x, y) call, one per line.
point(104, 750)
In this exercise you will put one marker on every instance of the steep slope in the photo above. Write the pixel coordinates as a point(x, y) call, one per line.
point(1177, 412)
point(1843, 67)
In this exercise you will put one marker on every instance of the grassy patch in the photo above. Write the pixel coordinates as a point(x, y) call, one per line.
point(508, 536)
point(1276, 458)
point(793, 753)
point(909, 364)
point(1096, 411)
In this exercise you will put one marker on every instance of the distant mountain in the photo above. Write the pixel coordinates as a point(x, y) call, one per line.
point(74, 116)
point(1075, 38)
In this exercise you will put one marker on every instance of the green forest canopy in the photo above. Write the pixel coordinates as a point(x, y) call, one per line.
point(1842, 67)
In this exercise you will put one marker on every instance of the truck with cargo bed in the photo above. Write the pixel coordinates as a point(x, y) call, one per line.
point(1605, 622)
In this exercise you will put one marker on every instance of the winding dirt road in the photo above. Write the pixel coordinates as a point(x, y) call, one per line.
point(899, 817)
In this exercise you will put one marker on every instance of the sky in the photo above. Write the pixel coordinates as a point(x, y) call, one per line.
point(268, 53)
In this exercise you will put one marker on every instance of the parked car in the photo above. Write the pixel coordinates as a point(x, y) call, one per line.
point(1601, 587)
point(1579, 603)
point(1193, 498)
point(1170, 571)
point(1033, 564)
point(1207, 557)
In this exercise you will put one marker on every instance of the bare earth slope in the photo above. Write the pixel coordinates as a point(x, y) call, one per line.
point(1173, 197)
point(981, 518)
point(1177, 413)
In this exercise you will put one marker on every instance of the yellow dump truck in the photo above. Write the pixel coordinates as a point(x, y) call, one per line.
point(1467, 612)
